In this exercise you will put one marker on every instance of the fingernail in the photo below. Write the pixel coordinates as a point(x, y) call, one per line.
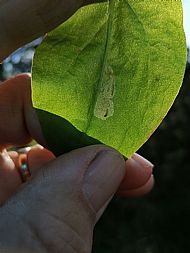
point(103, 177)
point(23, 150)
point(37, 146)
point(138, 171)
point(142, 161)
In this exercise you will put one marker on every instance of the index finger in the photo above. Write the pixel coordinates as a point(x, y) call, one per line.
point(22, 21)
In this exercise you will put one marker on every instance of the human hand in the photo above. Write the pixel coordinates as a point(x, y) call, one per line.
point(23, 21)
point(57, 209)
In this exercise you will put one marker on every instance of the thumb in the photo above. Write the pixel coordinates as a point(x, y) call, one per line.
point(66, 198)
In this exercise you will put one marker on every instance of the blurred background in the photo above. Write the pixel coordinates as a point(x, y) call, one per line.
point(160, 221)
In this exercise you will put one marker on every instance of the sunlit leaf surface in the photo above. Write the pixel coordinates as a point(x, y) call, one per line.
point(109, 74)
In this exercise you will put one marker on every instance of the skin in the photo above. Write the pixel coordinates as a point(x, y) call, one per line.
point(57, 209)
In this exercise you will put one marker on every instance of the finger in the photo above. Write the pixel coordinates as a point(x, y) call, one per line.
point(138, 192)
point(63, 201)
point(138, 172)
point(13, 155)
point(38, 158)
point(9, 178)
point(22, 21)
point(19, 120)
point(135, 184)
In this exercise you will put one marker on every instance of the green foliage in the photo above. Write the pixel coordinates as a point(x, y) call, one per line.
point(109, 74)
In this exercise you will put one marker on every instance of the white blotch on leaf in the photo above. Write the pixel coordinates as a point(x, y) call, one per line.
point(104, 107)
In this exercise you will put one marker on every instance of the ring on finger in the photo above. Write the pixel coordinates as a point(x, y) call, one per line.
point(23, 168)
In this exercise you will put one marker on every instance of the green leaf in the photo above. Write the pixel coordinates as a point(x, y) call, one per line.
point(109, 74)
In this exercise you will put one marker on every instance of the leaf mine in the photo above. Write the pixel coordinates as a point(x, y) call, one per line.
point(104, 107)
